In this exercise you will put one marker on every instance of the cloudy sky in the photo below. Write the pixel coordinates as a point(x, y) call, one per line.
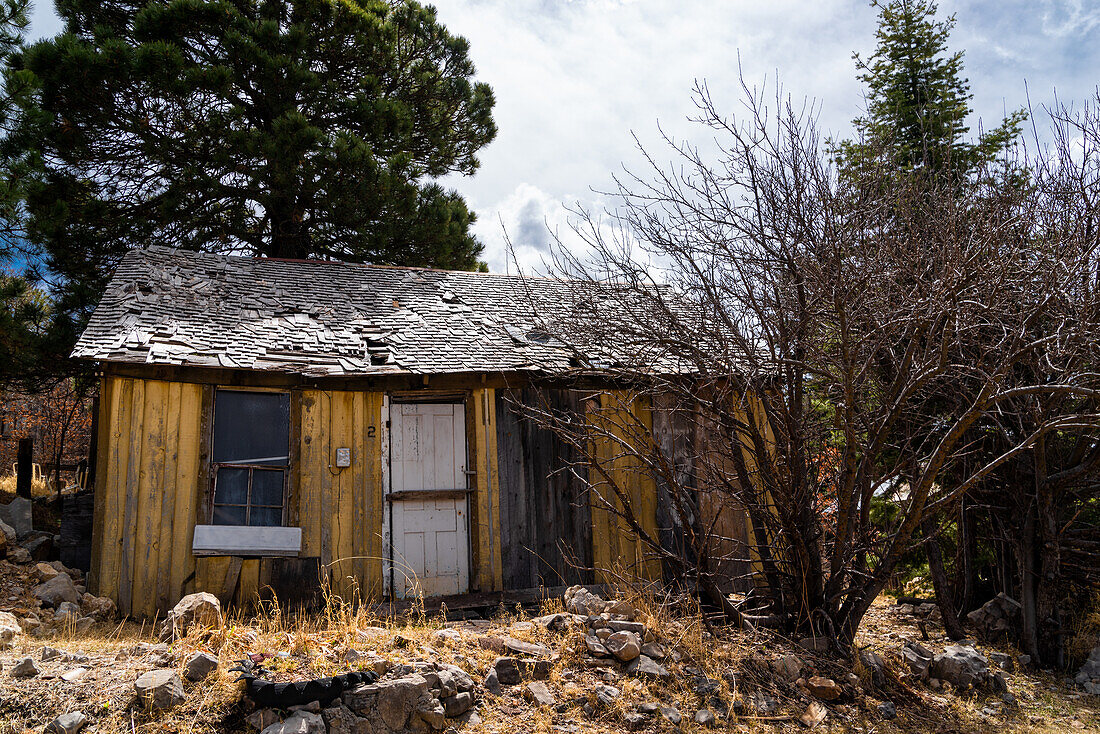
point(575, 78)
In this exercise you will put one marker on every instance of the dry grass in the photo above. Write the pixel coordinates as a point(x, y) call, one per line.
point(315, 644)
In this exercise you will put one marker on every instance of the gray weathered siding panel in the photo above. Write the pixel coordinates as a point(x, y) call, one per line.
point(545, 520)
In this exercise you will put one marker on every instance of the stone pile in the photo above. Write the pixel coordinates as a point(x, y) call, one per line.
point(410, 699)
point(997, 618)
point(1088, 676)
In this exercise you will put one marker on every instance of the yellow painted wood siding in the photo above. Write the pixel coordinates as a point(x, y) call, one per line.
point(488, 571)
point(623, 426)
point(146, 492)
point(341, 510)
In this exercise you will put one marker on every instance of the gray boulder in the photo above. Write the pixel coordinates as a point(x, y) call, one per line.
point(579, 600)
point(998, 617)
point(198, 666)
point(9, 630)
point(398, 698)
point(624, 645)
point(202, 609)
point(159, 689)
point(458, 704)
point(17, 514)
point(646, 667)
point(57, 590)
point(961, 665)
point(25, 668)
point(918, 658)
point(302, 722)
point(69, 723)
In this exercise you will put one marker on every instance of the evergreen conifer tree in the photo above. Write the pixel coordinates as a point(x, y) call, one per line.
point(282, 128)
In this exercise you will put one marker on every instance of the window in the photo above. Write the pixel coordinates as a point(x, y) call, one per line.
point(251, 453)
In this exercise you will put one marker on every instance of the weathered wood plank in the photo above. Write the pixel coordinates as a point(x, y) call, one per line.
point(187, 488)
point(546, 521)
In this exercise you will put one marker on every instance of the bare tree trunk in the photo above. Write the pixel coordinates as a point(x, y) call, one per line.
point(945, 593)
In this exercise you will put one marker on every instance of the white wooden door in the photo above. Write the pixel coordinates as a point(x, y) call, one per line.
point(429, 533)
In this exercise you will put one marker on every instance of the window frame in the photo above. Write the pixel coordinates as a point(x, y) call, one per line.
point(216, 466)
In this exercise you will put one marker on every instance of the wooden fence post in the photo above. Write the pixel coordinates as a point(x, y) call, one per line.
point(24, 467)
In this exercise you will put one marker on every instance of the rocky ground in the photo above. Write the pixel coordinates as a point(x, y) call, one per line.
point(575, 664)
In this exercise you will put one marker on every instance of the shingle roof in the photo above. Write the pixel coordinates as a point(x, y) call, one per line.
point(166, 306)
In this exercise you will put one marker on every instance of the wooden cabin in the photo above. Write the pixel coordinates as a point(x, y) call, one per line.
point(267, 426)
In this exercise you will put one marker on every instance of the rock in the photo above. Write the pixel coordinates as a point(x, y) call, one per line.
point(1025, 660)
point(50, 653)
point(620, 608)
point(875, 665)
point(9, 630)
point(69, 723)
point(538, 692)
point(430, 711)
point(606, 695)
point(887, 710)
point(1089, 672)
point(998, 617)
point(527, 648)
point(654, 650)
point(100, 607)
point(553, 622)
point(160, 689)
point(462, 680)
point(83, 624)
point(57, 590)
point(918, 658)
point(25, 668)
point(616, 625)
point(764, 704)
point(198, 666)
point(202, 609)
point(70, 676)
point(398, 698)
point(492, 682)
point(19, 555)
point(458, 704)
point(507, 671)
point(17, 514)
point(703, 717)
point(624, 645)
point(44, 571)
point(814, 714)
point(67, 612)
point(580, 600)
point(262, 718)
point(961, 665)
point(824, 688)
point(442, 681)
point(645, 667)
point(302, 722)
point(1002, 661)
point(672, 715)
point(340, 720)
point(447, 637)
point(789, 667)
point(595, 646)
point(38, 545)
point(705, 686)
point(8, 537)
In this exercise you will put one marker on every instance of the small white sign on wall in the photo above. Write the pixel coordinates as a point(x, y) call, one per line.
point(343, 458)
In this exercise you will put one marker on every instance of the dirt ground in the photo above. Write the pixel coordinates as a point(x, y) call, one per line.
point(740, 668)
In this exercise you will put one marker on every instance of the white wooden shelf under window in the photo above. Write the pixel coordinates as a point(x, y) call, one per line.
point(238, 540)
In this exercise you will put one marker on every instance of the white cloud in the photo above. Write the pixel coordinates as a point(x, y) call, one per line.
point(574, 78)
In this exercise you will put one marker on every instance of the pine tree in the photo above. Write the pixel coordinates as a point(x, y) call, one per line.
point(283, 128)
point(918, 100)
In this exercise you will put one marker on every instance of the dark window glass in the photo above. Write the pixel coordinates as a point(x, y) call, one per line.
point(265, 516)
point(231, 486)
point(251, 428)
point(251, 434)
point(229, 514)
point(267, 488)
